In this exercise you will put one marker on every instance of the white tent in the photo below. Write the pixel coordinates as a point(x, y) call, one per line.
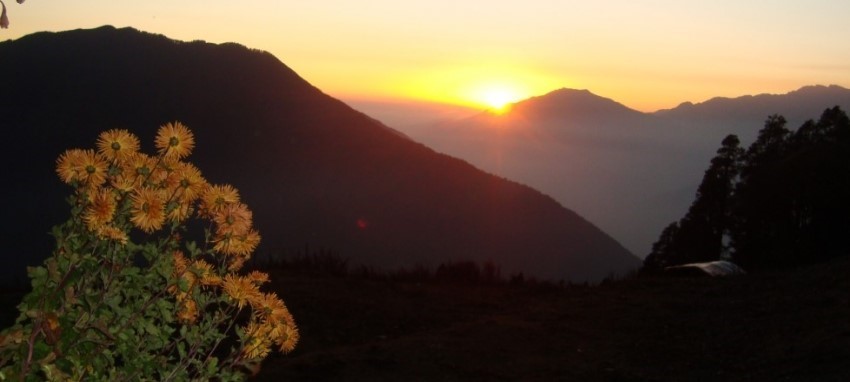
point(720, 268)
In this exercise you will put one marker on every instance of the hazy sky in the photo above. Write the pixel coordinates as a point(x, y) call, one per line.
point(645, 54)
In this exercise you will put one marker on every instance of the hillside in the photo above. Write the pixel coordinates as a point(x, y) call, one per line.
point(318, 174)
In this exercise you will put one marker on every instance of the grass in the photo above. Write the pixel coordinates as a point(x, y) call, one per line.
point(364, 325)
point(784, 325)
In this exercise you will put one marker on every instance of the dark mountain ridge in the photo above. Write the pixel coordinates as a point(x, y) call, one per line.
point(308, 165)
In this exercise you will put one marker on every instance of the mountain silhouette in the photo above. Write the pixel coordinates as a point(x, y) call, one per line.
point(630, 173)
point(803, 100)
point(316, 173)
point(572, 105)
point(745, 115)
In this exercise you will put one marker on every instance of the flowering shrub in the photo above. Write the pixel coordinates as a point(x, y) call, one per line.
point(124, 296)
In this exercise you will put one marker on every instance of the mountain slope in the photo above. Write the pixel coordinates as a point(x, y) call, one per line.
point(628, 172)
point(310, 167)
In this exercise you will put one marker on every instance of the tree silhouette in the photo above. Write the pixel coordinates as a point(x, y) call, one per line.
point(782, 202)
point(663, 250)
point(792, 203)
point(699, 235)
point(710, 215)
point(759, 204)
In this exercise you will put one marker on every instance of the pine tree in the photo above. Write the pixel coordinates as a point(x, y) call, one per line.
point(663, 251)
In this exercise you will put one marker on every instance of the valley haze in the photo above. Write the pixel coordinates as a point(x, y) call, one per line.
point(629, 172)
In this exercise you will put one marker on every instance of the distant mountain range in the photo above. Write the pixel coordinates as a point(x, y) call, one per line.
point(316, 173)
point(629, 172)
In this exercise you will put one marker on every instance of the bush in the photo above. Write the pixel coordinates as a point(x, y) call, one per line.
point(124, 296)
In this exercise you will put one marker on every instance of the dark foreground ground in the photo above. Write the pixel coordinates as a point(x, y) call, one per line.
point(778, 326)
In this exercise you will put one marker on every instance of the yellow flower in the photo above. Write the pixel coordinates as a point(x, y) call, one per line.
point(112, 233)
point(132, 172)
point(233, 219)
point(101, 209)
point(139, 165)
point(258, 277)
point(165, 176)
point(148, 210)
point(190, 279)
point(211, 280)
point(269, 306)
point(84, 166)
point(92, 169)
point(257, 343)
point(180, 271)
point(68, 165)
point(205, 272)
point(117, 144)
point(174, 140)
point(188, 312)
point(180, 262)
point(215, 197)
point(179, 211)
point(251, 240)
point(287, 341)
point(120, 179)
point(240, 289)
point(236, 263)
point(190, 182)
point(237, 245)
point(282, 329)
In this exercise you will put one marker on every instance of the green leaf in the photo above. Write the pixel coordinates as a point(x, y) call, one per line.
point(151, 328)
point(36, 272)
point(181, 349)
point(40, 350)
point(53, 373)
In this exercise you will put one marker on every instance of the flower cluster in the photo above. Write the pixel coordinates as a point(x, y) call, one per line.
point(122, 194)
point(165, 189)
point(160, 190)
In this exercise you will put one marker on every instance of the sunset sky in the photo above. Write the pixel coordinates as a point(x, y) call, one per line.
point(646, 54)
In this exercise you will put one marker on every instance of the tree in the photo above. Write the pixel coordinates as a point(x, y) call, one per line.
point(710, 216)
point(760, 205)
point(782, 202)
point(698, 236)
point(791, 203)
point(663, 250)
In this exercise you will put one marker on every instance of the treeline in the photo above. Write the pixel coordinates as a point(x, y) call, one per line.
point(782, 202)
point(325, 263)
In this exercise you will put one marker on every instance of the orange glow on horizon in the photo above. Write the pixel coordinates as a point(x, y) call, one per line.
point(645, 56)
point(490, 88)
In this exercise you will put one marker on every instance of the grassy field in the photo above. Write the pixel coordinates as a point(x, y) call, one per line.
point(780, 326)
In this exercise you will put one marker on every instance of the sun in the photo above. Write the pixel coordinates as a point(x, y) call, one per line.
point(494, 90)
point(496, 98)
